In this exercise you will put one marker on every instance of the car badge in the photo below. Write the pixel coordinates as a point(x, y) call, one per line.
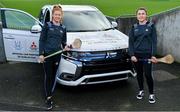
point(108, 55)
point(33, 46)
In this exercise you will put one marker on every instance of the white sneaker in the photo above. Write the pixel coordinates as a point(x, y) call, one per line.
point(140, 95)
point(152, 98)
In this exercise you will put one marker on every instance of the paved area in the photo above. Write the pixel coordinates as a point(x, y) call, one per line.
point(21, 88)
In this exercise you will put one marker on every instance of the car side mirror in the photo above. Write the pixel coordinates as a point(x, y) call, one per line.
point(36, 29)
point(114, 24)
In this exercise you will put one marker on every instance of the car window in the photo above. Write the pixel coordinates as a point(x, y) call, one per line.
point(44, 17)
point(0, 16)
point(18, 20)
point(47, 16)
point(85, 21)
point(41, 16)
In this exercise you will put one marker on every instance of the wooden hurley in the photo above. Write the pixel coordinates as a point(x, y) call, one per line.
point(168, 59)
point(75, 45)
point(58, 52)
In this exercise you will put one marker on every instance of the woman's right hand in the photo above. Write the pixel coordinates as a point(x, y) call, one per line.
point(41, 59)
point(134, 59)
point(67, 48)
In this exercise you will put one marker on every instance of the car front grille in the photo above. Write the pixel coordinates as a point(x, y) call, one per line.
point(106, 66)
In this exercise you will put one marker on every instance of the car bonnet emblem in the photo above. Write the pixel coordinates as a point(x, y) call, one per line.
point(108, 55)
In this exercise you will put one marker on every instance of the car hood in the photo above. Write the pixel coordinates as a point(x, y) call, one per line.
point(100, 40)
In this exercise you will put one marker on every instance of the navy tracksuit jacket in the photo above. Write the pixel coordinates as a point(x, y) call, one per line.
point(142, 44)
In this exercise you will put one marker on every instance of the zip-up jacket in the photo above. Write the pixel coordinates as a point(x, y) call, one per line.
point(52, 38)
point(143, 39)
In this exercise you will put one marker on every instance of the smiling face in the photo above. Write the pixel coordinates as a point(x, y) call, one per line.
point(57, 16)
point(141, 15)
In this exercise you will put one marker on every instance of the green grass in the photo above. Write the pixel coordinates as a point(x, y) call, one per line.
point(109, 7)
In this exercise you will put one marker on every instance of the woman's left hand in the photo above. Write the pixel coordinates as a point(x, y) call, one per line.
point(154, 59)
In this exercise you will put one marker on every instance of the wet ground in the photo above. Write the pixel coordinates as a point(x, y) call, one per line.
point(21, 88)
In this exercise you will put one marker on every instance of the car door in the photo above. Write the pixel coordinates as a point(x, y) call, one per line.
point(20, 41)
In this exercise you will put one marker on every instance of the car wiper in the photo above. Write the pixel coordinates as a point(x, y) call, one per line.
point(90, 30)
point(83, 30)
point(108, 29)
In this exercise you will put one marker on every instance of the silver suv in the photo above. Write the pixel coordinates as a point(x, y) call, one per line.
point(101, 58)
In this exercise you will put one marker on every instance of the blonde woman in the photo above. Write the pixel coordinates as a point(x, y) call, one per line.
point(52, 39)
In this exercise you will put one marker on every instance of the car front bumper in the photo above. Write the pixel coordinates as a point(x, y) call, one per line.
point(73, 72)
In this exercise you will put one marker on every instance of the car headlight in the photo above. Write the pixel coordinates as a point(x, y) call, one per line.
point(75, 54)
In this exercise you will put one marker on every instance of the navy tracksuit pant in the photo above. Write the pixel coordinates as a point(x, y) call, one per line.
point(50, 68)
point(144, 68)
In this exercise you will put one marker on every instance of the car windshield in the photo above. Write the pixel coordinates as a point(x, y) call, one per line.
point(82, 21)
